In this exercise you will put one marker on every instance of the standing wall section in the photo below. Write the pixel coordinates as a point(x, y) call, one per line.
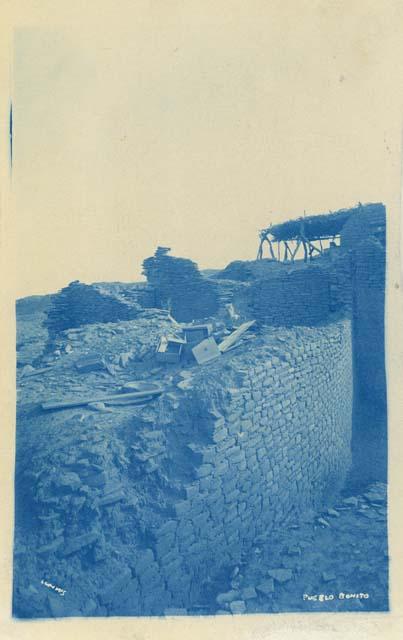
point(272, 433)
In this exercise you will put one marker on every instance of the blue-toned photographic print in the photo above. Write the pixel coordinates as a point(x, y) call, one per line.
point(209, 442)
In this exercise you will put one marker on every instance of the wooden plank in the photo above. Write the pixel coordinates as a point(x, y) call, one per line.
point(79, 402)
point(235, 336)
point(37, 372)
point(206, 351)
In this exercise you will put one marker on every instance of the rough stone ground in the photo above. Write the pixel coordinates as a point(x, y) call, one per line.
point(340, 551)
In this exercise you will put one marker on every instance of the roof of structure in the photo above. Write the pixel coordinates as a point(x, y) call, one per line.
point(318, 226)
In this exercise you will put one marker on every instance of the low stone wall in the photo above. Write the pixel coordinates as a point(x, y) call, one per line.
point(80, 304)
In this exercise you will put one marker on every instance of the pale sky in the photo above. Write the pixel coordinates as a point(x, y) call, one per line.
point(193, 128)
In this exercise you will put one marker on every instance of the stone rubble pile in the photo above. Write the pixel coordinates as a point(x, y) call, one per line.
point(307, 573)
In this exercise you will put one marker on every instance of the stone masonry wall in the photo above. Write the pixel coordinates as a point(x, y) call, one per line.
point(143, 507)
point(180, 287)
point(297, 297)
point(368, 321)
point(271, 444)
point(79, 304)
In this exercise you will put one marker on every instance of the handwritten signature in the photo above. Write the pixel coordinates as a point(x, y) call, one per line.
point(49, 585)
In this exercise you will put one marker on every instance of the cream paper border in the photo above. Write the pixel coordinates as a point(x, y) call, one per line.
point(73, 13)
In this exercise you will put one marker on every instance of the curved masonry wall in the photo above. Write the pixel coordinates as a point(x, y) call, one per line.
point(143, 507)
point(273, 435)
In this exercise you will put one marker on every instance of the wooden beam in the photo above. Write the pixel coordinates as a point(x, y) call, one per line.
point(79, 402)
point(234, 336)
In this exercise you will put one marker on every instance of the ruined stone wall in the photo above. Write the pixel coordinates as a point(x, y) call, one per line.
point(143, 507)
point(271, 436)
point(297, 297)
point(180, 287)
point(79, 304)
point(369, 221)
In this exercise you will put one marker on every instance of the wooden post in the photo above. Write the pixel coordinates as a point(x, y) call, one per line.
point(294, 253)
point(271, 248)
point(305, 251)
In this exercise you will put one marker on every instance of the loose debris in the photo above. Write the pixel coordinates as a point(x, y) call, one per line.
point(340, 560)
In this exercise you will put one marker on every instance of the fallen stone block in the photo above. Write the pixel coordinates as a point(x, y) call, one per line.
point(237, 606)
point(351, 502)
point(249, 593)
point(294, 551)
point(266, 587)
point(228, 596)
point(96, 479)
point(115, 586)
point(75, 544)
point(89, 363)
point(328, 576)
point(323, 522)
point(67, 480)
point(376, 495)
point(57, 606)
point(53, 546)
point(124, 358)
point(280, 575)
point(111, 498)
point(185, 384)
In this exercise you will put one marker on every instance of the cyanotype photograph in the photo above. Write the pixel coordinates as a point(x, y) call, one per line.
point(209, 443)
point(201, 388)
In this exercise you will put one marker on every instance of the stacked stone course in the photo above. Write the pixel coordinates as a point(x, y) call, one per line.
point(276, 443)
point(180, 287)
point(297, 297)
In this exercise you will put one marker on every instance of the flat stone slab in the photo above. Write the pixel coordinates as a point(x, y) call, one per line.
point(328, 576)
point(266, 587)
point(229, 596)
point(351, 502)
point(237, 606)
point(280, 575)
point(249, 593)
point(80, 541)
